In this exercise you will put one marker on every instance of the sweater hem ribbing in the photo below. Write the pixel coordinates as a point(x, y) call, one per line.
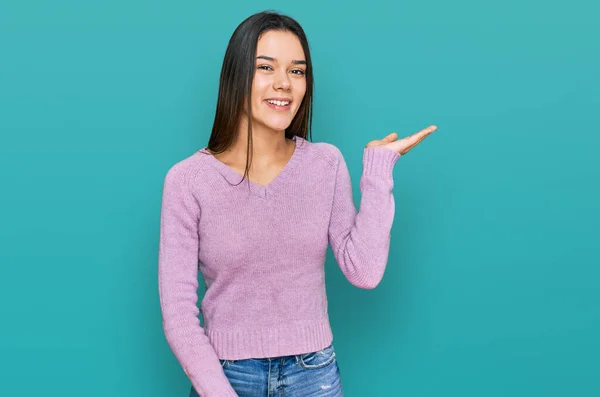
point(276, 341)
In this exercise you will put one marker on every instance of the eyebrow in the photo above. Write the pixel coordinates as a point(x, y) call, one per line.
point(295, 62)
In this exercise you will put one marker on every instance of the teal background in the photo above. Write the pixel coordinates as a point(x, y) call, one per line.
point(492, 283)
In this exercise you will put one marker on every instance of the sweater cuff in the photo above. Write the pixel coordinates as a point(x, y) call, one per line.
point(379, 161)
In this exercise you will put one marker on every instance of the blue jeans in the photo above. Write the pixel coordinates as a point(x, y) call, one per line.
point(312, 374)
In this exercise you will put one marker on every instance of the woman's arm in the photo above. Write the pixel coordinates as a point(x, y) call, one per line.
point(360, 241)
point(178, 283)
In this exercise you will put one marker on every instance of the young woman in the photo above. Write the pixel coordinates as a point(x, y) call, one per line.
point(261, 245)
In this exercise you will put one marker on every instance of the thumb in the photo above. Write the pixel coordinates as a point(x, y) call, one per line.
point(380, 142)
point(391, 137)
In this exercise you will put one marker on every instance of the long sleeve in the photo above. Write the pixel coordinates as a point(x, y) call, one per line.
point(178, 283)
point(360, 241)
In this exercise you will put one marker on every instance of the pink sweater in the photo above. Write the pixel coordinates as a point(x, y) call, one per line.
point(261, 252)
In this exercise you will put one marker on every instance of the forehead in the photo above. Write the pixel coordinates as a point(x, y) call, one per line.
point(284, 46)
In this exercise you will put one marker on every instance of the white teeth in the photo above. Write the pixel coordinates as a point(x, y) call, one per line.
point(279, 103)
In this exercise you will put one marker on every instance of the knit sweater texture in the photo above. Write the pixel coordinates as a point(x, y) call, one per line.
point(261, 252)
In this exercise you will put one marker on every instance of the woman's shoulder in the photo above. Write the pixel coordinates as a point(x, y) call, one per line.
point(326, 151)
point(187, 168)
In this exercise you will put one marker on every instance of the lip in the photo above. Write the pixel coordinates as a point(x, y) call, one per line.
point(279, 99)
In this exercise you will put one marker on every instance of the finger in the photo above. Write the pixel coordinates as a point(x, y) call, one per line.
point(426, 131)
point(387, 139)
point(376, 142)
point(419, 136)
point(413, 140)
point(391, 137)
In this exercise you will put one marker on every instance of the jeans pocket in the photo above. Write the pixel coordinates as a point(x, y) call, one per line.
point(318, 359)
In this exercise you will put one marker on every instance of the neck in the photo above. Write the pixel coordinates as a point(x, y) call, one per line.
point(267, 144)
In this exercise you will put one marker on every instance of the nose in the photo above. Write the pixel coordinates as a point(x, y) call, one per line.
point(282, 81)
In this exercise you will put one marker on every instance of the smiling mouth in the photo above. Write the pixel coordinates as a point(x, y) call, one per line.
point(278, 105)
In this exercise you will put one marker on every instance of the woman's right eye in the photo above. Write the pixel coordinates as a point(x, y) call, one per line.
point(265, 67)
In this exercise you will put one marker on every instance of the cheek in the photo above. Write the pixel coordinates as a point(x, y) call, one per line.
point(260, 86)
point(300, 91)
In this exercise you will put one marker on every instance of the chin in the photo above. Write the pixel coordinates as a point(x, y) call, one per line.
point(278, 125)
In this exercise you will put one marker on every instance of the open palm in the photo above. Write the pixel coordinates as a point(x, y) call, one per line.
point(403, 145)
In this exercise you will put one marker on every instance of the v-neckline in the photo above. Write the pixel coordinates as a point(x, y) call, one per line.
point(263, 191)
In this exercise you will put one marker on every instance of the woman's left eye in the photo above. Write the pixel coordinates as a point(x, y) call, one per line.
point(298, 71)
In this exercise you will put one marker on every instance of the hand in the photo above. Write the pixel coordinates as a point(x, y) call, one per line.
point(403, 145)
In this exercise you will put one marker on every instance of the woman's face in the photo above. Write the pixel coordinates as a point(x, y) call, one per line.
point(279, 81)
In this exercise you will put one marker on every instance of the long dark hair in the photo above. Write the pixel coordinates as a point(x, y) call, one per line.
point(237, 75)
